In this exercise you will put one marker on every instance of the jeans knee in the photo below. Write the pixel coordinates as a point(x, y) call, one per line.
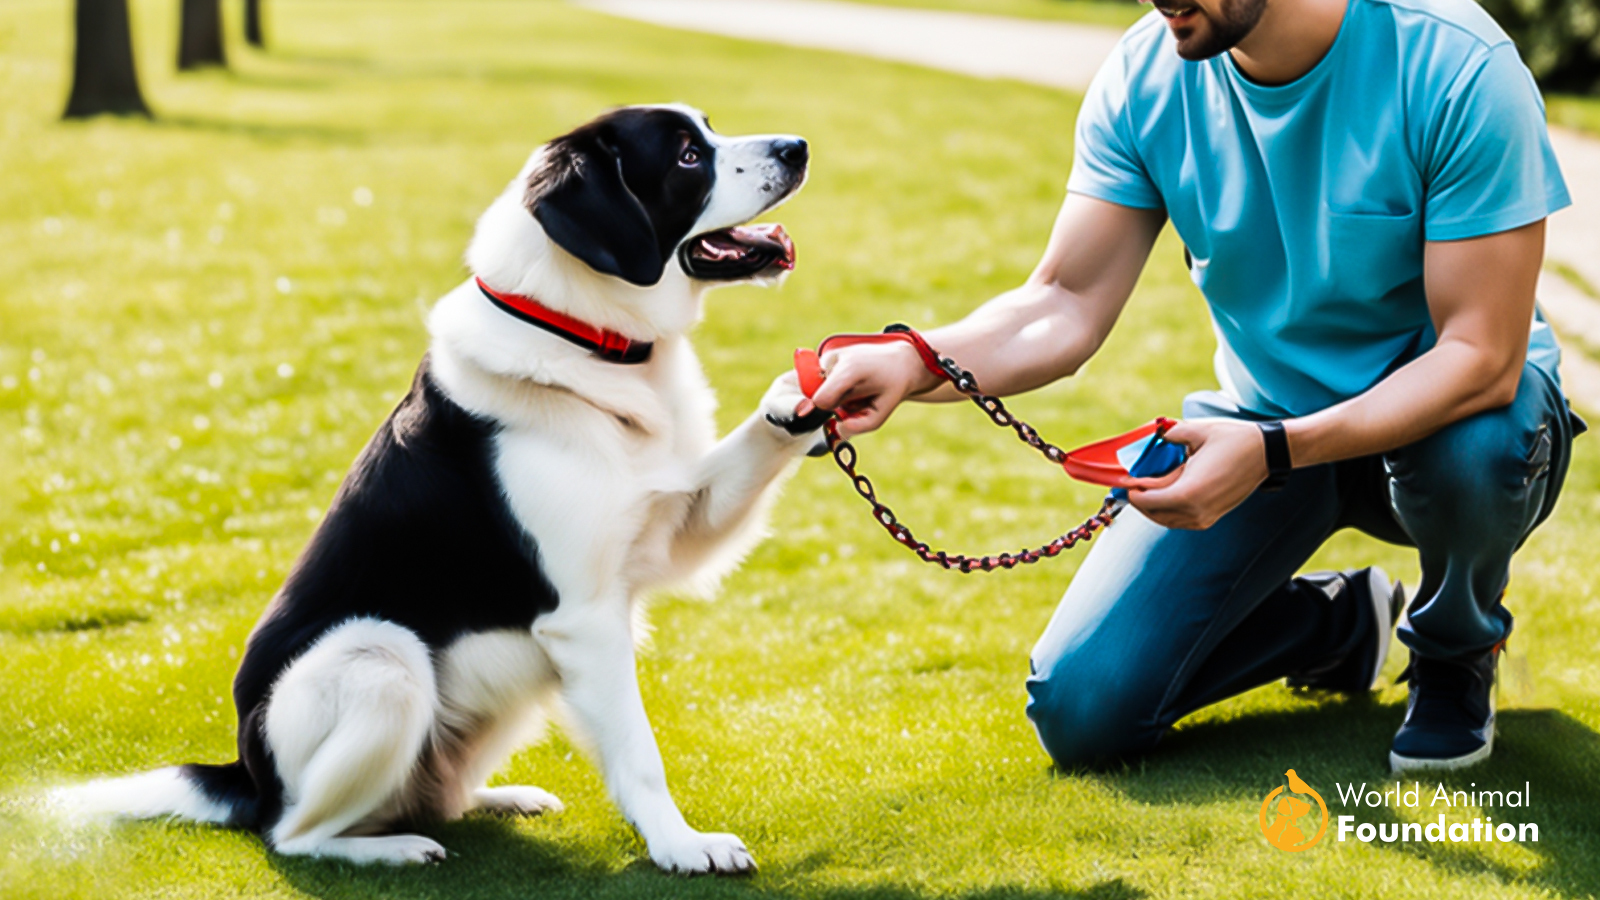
point(1469, 465)
point(1085, 721)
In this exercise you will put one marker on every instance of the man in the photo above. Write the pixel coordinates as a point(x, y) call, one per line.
point(1361, 187)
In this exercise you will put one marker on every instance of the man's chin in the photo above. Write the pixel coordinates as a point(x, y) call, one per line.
point(1197, 42)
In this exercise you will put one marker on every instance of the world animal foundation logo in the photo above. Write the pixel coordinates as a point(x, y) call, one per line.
point(1286, 815)
point(1294, 817)
point(1488, 808)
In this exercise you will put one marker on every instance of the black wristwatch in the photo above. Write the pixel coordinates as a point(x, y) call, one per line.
point(1278, 464)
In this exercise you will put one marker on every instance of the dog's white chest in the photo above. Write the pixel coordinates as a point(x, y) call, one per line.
point(599, 499)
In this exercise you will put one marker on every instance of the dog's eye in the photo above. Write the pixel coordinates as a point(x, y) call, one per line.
point(689, 157)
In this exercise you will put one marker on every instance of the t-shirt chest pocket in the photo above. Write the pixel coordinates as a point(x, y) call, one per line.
point(1371, 254)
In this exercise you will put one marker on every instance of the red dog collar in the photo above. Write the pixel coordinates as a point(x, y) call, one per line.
point(608, 345)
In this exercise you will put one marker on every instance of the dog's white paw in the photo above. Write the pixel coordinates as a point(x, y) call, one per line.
point(389, 849)
point(699, 853)
point(517, 799)
point(777, 407)
point(401, 849)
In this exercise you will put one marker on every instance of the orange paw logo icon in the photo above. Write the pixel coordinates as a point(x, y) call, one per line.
point(1282, 821)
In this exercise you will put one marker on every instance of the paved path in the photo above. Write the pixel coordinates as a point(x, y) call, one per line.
point(1066, 55)
point(1055, 54)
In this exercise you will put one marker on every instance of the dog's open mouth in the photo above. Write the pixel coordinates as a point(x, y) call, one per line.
point(745, 251)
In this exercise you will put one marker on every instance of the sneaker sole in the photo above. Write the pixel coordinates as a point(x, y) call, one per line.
point(1398, 763)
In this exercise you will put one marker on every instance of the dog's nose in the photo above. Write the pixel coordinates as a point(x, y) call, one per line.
point(792, 152)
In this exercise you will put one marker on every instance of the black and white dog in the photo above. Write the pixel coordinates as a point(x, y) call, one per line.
point(482, 563)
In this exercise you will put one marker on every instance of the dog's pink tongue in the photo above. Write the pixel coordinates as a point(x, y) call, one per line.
point(769, 236)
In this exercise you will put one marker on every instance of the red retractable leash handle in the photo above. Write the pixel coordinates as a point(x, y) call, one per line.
point(1096, 463)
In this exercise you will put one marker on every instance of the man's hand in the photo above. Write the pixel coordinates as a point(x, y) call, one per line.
point(866, 382)
point(1227, 461)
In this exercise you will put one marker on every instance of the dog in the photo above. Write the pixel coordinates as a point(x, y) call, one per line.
point(482, 564)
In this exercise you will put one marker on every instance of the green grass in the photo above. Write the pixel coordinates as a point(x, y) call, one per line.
point(1117, 13)
point(1580, 113)
point(172, 422)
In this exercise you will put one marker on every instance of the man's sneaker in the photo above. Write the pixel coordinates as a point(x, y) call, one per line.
point(1450, 715)
point(1381, 601)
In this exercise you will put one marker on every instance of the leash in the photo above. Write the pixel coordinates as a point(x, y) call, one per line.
point(1098, 463)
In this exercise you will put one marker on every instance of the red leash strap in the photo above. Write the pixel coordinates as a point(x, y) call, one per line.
point(1096, 463)
point(808, 362)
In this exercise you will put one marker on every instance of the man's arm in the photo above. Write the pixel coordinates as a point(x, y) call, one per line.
point(1480, 296)
point(1023, 339)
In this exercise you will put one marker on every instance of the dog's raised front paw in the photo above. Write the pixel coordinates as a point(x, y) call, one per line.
point(778, 406)
point(798, 425)
point(699, 853)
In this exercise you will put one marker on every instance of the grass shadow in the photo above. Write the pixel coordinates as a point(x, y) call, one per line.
point(266, 130)
point(491, 858)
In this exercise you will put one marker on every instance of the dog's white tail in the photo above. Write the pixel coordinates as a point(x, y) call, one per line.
point(148, 795)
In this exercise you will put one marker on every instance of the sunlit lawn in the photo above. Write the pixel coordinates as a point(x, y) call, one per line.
point(203, 318)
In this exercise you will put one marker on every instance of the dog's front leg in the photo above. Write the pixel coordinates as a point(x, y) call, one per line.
point(592, 651)
point(733, 479)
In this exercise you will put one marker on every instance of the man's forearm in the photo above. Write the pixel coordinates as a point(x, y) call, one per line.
point(1454, 380)
point(1020, 340)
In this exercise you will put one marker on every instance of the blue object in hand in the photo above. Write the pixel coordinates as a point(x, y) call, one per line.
point(1160, 456)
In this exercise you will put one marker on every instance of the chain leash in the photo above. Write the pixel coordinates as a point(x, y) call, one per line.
point(844, 454)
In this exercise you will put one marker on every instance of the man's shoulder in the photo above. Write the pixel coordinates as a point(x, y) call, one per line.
point(1146, 54)
point(1147, 41)
point(1425, 24)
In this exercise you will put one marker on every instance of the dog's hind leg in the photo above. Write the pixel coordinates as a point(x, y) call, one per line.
point(493, 690)
point(347, 723)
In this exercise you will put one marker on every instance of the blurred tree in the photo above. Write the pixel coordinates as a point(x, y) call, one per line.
point(1558, 39)
point(252, 23)
point(200, 34)
point(104, 79)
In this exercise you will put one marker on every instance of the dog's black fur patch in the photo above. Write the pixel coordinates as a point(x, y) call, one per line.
point(419, 535)
point(614, 193)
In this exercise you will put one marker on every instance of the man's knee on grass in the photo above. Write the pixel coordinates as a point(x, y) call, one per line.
point(1085, 715)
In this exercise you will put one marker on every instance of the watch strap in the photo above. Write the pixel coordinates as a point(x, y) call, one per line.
point(1278, 463)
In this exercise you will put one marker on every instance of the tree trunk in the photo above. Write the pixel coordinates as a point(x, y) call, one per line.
point(200, 34)
point(252, 23)
point(104, 79)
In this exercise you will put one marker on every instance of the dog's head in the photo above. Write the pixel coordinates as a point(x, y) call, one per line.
point(641, 188)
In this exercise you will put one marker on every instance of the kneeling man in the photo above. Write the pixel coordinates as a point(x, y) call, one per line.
point(1361, 187)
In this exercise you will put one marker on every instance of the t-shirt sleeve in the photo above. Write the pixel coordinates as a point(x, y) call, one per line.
point(1105, 163)
point(1491, 168)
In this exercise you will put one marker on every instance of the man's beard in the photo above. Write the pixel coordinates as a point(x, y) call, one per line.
point(1235, 20)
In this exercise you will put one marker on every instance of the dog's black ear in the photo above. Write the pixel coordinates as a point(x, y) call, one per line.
point(577, 193)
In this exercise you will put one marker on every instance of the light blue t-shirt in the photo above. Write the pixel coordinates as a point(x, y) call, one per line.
point(1305, 206)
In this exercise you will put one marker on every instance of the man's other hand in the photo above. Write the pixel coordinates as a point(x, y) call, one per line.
point(1227, 462)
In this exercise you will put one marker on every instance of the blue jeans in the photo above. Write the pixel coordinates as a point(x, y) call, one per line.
point(1159, 623)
